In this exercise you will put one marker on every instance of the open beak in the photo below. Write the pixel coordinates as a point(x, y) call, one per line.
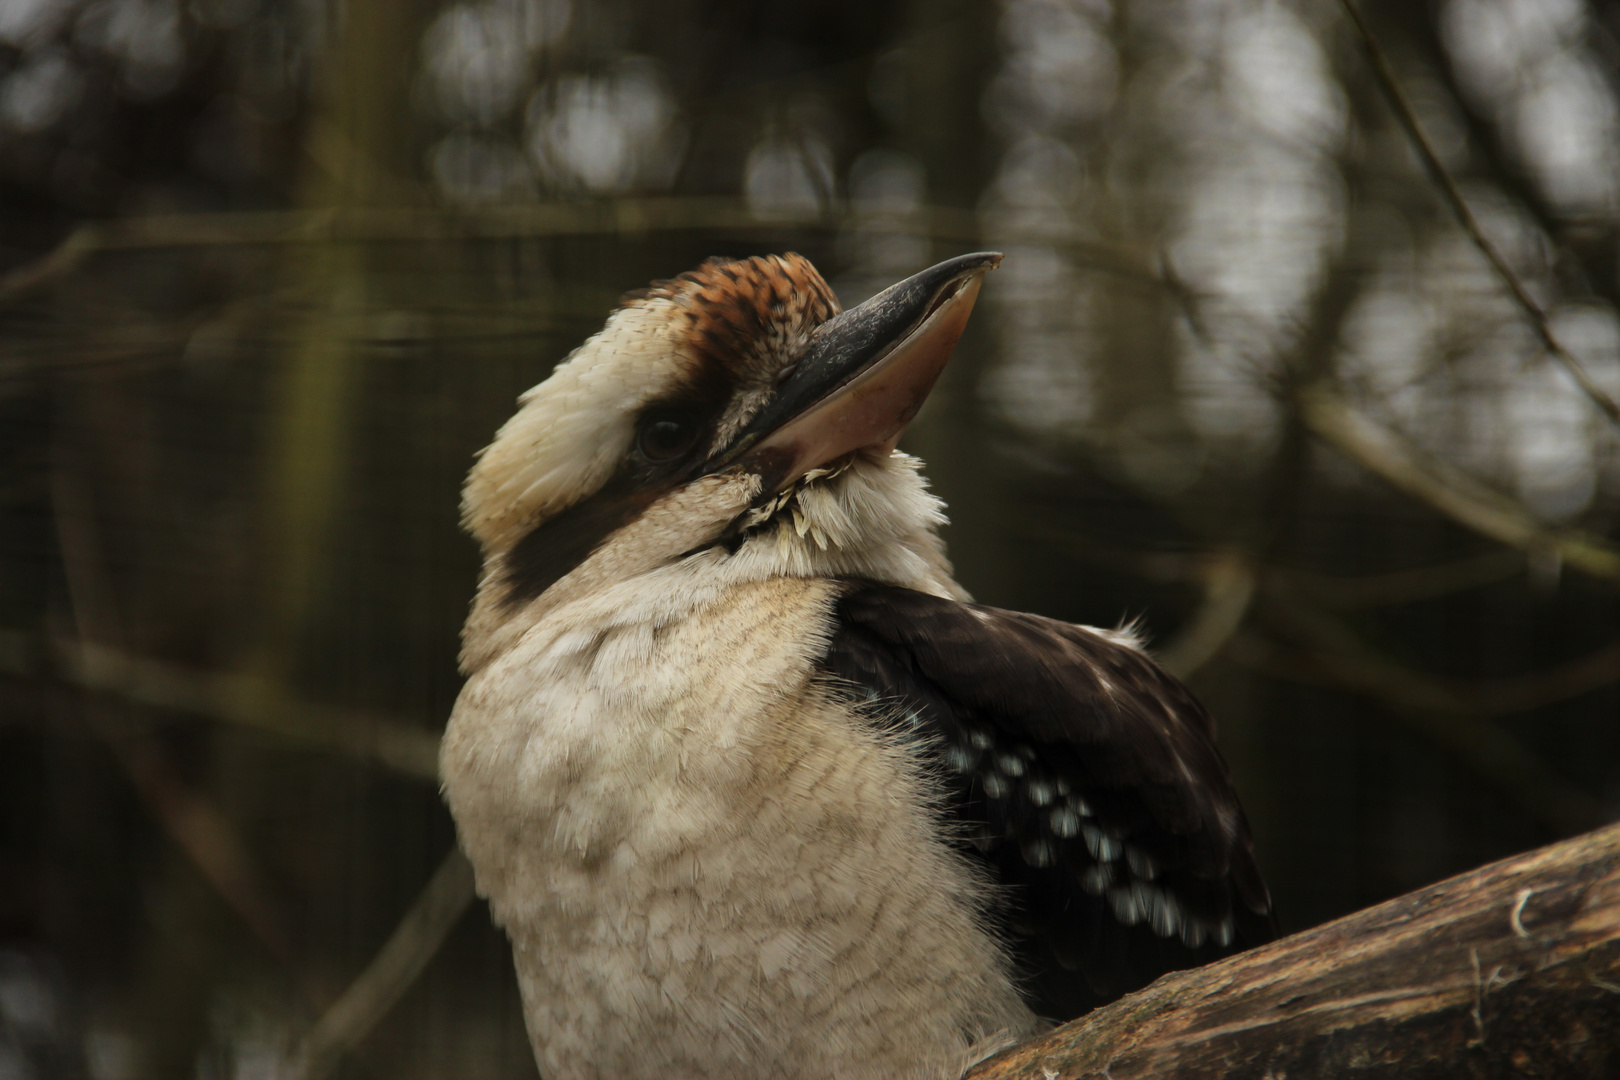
point(863, 377)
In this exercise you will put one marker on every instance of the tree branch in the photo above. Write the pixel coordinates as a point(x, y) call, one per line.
point(1450, 716)
point(1448, 489)
point(1407, 586)
point(1382, 675)
point(226, 698)
point(252, 702)
point(200, 829)
point(1229, 582)
point(1509, 970)
point(1437, 171)
point(391, 972)
point(601, 217)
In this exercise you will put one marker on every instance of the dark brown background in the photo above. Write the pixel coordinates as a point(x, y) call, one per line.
point(275, 269)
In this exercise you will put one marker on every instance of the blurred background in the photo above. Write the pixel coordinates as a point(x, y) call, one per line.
point(271, 271)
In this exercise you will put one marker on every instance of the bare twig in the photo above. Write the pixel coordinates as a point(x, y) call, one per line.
point(392, 971)
point(63, 259)
point(1229, 583)
point(252, 702)
point(1404, 586)
point(1498, 697)
point(1455, 715)
point(1333, 655)
point(1483, 745)
point(195, 824)
point(200, 829)
point(1442, 178)
point(605, 217)
point(225, 698)
point(1471, 697)
point(191, 821)
point(1359, 591)
point(1448, 489)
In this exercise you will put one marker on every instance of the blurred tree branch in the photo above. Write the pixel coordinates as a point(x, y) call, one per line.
point(1442, 178)
point(1588, 240)
point(1447, 489)
point(254, 702)
point(209, 838)
point(1325, 651)
point(1228, 581)
point(414, 942)
point(1403, 586)
point(228, 698)
point(194, 823)
point(601, 217)
point(1358, 591)
point(1454, 715)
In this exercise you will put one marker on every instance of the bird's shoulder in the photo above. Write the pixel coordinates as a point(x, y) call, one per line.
point(1084, 777)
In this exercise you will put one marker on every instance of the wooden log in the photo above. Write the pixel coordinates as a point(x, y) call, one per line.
point(1512, 970)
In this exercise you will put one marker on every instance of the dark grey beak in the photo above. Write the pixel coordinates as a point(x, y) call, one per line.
point(863, 377)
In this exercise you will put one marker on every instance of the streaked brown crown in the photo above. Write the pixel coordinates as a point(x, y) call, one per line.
point(748, 314)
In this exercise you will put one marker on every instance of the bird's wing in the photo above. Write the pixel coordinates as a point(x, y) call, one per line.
point(1085, 777)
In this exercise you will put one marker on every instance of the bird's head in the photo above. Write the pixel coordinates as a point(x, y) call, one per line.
point(733, 414)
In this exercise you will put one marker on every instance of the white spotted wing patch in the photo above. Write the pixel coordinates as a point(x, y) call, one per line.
point(1011, 773)
point(1082, 777)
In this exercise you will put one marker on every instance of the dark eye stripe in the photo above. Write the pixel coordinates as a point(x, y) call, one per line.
point(554, 547)
point(727, 337)
point(562, 542)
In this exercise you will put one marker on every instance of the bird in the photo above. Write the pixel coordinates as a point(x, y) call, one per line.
point(753, 786)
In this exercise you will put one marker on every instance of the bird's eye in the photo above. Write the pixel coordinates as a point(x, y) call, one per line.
point(666, 435)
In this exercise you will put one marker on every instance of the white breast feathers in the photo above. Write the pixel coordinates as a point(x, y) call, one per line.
point(709, 864)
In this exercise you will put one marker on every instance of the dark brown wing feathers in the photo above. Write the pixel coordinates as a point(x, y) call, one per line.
point(1085, 778)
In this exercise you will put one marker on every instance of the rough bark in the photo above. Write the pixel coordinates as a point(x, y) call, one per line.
point(1509, 970)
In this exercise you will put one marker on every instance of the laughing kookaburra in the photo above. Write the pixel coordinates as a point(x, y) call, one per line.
point(754, 789)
